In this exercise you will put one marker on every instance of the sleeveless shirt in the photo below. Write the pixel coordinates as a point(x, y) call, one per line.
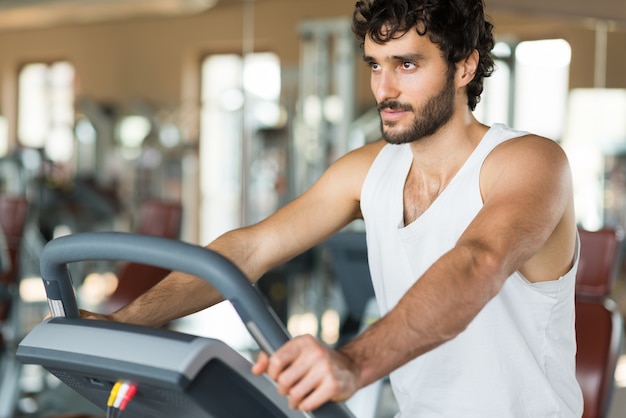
point(517, 356)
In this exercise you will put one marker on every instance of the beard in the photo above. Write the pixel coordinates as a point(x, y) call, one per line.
point(435, 113)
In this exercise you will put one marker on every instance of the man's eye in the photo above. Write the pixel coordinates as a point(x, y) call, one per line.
point(374, 66)
point(408, 65)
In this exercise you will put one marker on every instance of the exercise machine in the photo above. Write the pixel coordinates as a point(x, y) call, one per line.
point(172, 374)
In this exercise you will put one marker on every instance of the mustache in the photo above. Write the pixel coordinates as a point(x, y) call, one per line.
point(394, 105)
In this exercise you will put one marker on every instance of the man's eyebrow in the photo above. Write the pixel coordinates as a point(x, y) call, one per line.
point(368, 59)
point(416, 57)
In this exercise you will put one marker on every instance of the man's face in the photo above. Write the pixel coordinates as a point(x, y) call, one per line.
point(413, 88)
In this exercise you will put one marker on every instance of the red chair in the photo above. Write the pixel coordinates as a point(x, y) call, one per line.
point(158, 218)
point(599, 324)
point(13, 216)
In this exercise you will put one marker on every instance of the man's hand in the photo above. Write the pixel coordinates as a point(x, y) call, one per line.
point(309, 373)
point(91, 315)
point(88, 315)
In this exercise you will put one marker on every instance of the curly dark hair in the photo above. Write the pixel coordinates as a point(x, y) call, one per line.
point(458, 27)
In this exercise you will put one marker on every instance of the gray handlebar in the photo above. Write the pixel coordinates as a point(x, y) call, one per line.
point(260, 320)
point(264, 326)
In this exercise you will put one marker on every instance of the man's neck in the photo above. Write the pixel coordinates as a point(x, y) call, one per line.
point(439, 156)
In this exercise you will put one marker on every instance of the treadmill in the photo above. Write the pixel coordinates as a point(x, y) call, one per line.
point(175, 374)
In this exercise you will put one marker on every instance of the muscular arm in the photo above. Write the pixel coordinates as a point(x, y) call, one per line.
point(526, 224)
point(527, 215)
point(308, 220)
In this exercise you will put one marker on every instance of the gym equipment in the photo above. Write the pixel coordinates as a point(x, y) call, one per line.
point(174, 374)
point(347, 251)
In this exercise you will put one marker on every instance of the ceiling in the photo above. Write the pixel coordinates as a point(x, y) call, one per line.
point(19, 14)
point(16, 14)
point(610, 10)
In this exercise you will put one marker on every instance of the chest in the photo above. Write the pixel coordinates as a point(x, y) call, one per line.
point(418, 195)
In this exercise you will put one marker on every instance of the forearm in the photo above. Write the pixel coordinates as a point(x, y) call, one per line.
point(254, 250)
point(434, 310)
point(177, 295)
point(180, 294)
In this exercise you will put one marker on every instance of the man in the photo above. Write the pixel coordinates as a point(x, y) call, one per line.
point(471, 238)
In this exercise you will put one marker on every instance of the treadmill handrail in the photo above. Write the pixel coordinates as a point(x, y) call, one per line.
point(226, 277)
point(169, 254)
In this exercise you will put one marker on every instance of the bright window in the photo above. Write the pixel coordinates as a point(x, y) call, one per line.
point(4, 136)
point(494, 104)
point(239, 97)
point(529, 88)
point(542, 86)
point(46, 108)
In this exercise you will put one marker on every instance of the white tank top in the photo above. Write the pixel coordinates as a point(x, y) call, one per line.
point(517, 357)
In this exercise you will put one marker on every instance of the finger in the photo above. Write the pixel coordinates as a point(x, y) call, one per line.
point(261, 364)
point(291, 376)
point(304, 386)
point(284, 357)
point(86, 314)
point(327, 390)
point(91, 315)
point(303, 372)
point(328, 387)
point(328, 381)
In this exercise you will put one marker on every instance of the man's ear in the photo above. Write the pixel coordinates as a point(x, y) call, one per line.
point(466, 69)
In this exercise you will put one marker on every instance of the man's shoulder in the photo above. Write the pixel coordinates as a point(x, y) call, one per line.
point(362, 157)
point(349, 171)
point(527, 145)
point(370, 150)
point(527, 155)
